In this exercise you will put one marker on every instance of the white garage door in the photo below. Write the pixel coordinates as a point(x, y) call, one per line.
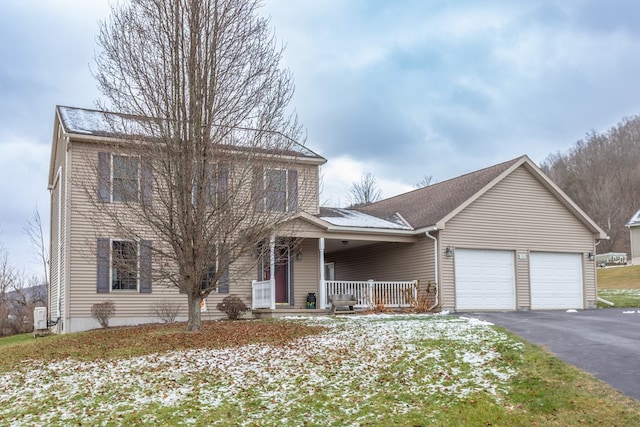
point(556, 280)
point(485, 280)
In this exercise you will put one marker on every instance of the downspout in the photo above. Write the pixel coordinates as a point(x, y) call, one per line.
point(59, 242)
point(272, 269)
point(323, 288)
point(435, 260)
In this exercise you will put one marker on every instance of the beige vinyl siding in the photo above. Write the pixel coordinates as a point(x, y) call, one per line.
point(87, 224)
point(306, 272)
point(58, 269)
point(518, 214)
point(635, 245)
point(386, 262)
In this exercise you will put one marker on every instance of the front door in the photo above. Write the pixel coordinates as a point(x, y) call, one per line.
point(281, 273)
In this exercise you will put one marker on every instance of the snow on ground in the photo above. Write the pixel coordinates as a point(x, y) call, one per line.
point(355, 359)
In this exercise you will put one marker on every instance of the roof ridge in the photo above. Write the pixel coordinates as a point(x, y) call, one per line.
point(447, 181)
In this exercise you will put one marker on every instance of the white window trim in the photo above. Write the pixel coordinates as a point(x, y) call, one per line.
point(137, 289)
point(286, 189)
point(112, 186)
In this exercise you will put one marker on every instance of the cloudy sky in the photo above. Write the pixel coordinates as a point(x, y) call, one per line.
point(402, 89)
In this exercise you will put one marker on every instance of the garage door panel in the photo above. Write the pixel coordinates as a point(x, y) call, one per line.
point(556, 280)
point(485, 279)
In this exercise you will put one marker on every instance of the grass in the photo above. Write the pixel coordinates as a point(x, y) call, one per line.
point(627, 277)
point(620, 285)
point(359, 370)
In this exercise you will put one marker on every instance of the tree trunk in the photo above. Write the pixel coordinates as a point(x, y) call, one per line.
point(194, 323)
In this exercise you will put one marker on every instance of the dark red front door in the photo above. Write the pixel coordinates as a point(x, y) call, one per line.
point(281, 282)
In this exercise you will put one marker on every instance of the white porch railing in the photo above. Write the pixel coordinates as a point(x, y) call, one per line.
point(263, 294)
point(371, 293)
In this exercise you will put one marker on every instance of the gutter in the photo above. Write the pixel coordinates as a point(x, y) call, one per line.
point(435, 260)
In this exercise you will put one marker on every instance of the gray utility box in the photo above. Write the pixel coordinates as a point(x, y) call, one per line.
point(40, 318)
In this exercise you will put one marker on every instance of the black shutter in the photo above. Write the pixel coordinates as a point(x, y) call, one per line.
point(223, 281)
point(103, 250)
point(292, 189)
point(146, 181)
point(223, 184)
point(145, 266)
point(258, 188)
point(104, 177)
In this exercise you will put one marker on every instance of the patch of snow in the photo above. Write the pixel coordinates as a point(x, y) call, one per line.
point(353, 218)
point(571, 310)
point(350, 362)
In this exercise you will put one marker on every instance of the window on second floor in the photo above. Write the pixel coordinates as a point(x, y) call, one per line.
point(125, 179)
point(276, 190)
point(275, 186)
point(216, 185)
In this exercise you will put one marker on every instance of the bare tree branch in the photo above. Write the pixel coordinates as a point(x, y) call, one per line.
point(220, 154)
point(364, 192)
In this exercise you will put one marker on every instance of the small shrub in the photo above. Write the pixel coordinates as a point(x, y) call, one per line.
point(233, 306)
point(103, 311)
point(421, 299)
point(166, 311)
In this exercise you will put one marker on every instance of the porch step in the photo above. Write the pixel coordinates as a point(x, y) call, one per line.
point(265, 313)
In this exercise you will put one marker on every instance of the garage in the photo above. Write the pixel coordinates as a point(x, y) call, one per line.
point(556, 280)
point(485, 279)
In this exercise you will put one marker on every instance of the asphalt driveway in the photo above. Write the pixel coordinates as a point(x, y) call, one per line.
point(604, 342)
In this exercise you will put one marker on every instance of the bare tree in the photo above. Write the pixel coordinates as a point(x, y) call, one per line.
point(33, 230)
point(426, 181)
point(7, 280)
point(208, 72)
point(364, 192)
point(600, 173)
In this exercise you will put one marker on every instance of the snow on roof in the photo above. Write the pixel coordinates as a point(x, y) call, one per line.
point(353, 218)
point(101, 123)
point(87, 122)
point(635, 220)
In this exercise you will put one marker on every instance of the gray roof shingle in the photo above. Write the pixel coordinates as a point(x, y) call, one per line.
point(428, 205)
point(81, 121)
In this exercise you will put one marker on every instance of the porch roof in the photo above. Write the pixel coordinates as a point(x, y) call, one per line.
point(357, 219)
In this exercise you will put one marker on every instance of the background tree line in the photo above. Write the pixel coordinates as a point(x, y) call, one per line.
point(601, 173)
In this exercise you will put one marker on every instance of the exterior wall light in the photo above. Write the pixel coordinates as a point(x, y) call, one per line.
point(591, 256)
point(299, 255)
point(448, 251)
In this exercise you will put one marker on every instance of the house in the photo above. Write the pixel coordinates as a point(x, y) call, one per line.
point(611, 258)
point(634, 237)
point(501, 238)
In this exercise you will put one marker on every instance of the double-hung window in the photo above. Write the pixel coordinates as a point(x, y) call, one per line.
point(124, 265)
point(276, 189)
point(125, 179)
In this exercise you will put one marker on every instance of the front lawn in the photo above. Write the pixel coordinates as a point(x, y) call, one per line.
point(406, 370)
point(620, 285)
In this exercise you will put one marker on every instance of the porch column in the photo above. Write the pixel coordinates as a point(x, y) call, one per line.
point(323, 288)
point(272, 270)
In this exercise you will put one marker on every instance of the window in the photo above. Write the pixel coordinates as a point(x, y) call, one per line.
point(275, 189)
point(125, 179)
point(275, 185)
point(215, 184)
point(124, 265)
point(219, 265)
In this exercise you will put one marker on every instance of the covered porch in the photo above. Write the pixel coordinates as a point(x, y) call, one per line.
point(379, 262)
